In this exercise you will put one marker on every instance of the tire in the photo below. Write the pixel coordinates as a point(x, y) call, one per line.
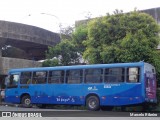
point(107, 108)
point(92, 103)
point(26, 101)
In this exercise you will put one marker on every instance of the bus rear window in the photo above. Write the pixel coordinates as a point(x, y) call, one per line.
point(133, 75)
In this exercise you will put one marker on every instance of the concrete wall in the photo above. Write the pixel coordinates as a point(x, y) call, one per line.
point(8, 63)
point(17, 31)
point(34, 41)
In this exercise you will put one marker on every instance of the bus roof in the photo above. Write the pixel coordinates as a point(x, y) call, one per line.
point(78, 67)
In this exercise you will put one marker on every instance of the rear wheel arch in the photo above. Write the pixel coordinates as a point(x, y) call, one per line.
point(24, 94)
point(92, 94)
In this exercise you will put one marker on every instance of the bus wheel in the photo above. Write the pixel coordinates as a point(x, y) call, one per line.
point(26, 101)
point(92, 103)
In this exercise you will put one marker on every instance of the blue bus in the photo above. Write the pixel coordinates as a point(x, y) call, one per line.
point(94, 86)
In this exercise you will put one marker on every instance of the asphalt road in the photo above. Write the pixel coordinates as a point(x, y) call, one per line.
point(59, 114)
point(62, 112)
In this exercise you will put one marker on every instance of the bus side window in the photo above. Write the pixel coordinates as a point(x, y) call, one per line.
point(133, 75)
point(25, 78)
point(39, 77)
point(56, 77)
point(74, 76)
point(93, 75)
point(113, 75)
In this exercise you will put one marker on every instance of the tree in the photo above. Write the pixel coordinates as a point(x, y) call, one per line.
point(122, 37)
point(79, 36)
point(51, 63)
point(129, 37)
point(67, 31)
point(68, 51)
point(65, 52)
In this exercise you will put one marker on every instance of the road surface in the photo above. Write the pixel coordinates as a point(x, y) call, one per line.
point(59, 114)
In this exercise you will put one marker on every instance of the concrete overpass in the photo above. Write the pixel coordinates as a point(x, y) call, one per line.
point(34, 41)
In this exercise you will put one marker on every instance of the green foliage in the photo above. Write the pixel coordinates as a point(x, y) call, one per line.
point(79, 36)
point(50, 63)
point(65, 52)
point(154, 58)
point(121, 38)
point(66, 32)
point(129, 37)
point(68, 51)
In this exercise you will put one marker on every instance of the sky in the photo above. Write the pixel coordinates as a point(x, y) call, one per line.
point(48, 14)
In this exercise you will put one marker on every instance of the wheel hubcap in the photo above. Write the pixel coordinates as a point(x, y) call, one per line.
point(27, 101)
point(92, 103)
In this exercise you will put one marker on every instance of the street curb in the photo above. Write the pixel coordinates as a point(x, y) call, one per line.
point(12, 105)
point(8, 104)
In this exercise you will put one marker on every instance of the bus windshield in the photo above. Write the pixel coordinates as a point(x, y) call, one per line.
point(12, 81)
